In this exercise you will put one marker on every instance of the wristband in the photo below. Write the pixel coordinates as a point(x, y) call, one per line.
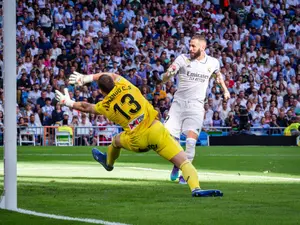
point(88, 79)
point(69, 103)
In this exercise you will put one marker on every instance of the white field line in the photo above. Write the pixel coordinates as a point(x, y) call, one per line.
point(150, 173)
point(233, 155)
point(222, 174)
point(59, 217)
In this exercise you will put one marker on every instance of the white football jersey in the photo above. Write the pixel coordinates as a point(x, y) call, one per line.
point(193, 76)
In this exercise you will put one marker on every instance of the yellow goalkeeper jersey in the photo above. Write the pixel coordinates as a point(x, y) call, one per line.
point(125, 105)
point(293, 126)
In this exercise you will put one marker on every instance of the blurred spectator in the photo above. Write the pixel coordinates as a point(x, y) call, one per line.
point(282, 120)
point(158, 91)
point(217, 122)
point(257, 115)
point(34, 125)
point(41, 101)
point(85, 134)
point(75, 121)
point(100, 133)
point(229, 121)
point(224, 110)
point(65, 120)
point(207, 122)
point(47, 112)
point(57, 114)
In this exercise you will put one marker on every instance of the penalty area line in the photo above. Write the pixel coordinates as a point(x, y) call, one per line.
point(222, 174)
point(59, 217)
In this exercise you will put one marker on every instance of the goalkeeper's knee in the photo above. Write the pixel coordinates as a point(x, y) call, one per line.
point(113, 142)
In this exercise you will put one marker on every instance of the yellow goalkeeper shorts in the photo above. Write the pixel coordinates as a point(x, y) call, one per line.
point(156, 138)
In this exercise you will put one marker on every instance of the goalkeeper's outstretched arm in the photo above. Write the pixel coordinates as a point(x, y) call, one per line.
point(64, 99)
point(84, 107)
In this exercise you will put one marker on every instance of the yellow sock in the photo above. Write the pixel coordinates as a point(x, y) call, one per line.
point(189, 173)
point(112, 154)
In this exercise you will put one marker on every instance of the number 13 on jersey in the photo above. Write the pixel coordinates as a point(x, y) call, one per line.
point(133, 106)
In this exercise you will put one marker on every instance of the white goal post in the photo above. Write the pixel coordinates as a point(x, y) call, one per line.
point(9, 197)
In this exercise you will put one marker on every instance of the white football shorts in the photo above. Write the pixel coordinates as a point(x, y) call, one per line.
point(185, 116)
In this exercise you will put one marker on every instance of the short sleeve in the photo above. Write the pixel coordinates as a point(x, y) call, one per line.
point(179, 62)
point(216, 66)
point(99, 108)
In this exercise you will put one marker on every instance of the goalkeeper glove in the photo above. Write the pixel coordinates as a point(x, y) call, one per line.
point(64, 99)
point(80, 79)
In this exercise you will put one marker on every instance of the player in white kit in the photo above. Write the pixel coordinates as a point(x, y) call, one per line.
point(187, 110)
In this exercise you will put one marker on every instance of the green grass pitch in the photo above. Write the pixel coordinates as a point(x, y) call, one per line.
point(261, 185)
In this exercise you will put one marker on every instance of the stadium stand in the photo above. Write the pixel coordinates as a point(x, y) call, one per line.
point(256, 42)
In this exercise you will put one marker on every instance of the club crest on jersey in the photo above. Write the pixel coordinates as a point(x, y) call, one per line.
point(209, 69)
point(188, 62)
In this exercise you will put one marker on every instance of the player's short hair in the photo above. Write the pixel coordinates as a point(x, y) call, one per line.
point(106, 83)
point(199, 38)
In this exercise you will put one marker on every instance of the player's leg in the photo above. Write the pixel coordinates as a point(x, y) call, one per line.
point(190, 149)
point(108, 159)
point(173, 125)
point(113, 151)
point(190, 145)
point(189, 172)
point(175, 171)
point(169, 149)
point(191, 127)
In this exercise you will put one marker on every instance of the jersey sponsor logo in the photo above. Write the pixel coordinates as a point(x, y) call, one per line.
point(153, 147)
point(149, 147)
point(197, 76)
point(133, 124)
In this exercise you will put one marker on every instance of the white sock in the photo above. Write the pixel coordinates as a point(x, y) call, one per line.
point(190, 148)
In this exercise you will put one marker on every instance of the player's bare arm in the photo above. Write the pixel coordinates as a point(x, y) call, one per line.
point(220, 80)
point(81, 79)
point(84, 107)
point(64, 99)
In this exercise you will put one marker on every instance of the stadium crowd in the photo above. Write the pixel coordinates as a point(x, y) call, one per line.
point(256, 42)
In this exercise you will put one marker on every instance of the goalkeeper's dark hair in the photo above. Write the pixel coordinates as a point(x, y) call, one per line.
point(106, 83)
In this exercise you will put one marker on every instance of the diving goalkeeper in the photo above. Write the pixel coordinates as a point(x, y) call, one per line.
point(124, 104)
